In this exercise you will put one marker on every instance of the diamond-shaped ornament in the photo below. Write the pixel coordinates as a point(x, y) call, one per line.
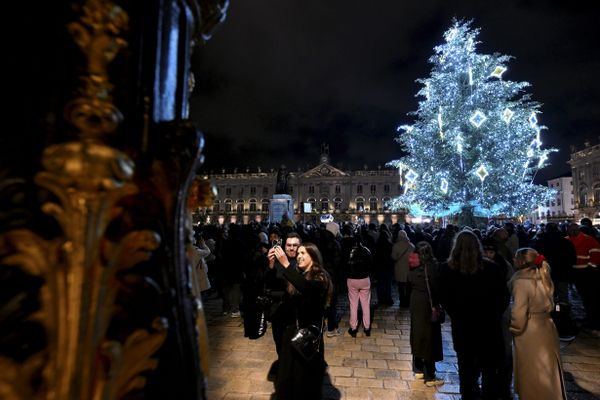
point(507, 115)
point(533, 120)
point(411, 176)
point(444, 186)
point(478, 118)
point(498, 71)
point(482, 173)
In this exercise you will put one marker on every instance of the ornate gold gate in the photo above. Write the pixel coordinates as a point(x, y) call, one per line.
point(95, 294)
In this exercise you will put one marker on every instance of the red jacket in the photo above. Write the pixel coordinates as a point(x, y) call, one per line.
point(588, 250)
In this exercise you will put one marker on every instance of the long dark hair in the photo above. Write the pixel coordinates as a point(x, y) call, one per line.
point(316, 272)
point(426, 256)
point(466, 255)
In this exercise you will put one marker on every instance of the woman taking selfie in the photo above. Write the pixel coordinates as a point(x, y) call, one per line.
point(308, 292)
point(537, 367)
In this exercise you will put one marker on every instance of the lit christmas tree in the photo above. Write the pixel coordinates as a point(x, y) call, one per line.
point(476, 144)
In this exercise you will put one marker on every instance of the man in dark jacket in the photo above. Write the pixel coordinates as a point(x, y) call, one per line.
point(561, 256)
point(276, 286)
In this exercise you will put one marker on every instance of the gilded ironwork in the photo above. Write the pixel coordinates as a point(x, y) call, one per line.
point(80, 269)
point(80, 272)
point(93, 112)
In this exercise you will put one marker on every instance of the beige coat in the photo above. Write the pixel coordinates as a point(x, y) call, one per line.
point(199, 272)
point(537, 365)
point(400, 252)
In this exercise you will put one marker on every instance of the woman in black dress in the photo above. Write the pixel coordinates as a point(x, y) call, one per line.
point(308, 293)
point(425, 335)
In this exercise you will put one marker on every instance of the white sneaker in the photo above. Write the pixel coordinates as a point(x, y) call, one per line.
point(419, 375)
point(434, 382)
point(235, 314)
point(335, 332)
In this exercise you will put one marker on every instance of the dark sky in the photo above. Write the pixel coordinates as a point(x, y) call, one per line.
point(280, 77)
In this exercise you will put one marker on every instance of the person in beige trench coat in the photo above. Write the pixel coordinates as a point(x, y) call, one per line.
point(537, 366)
point(400, 252)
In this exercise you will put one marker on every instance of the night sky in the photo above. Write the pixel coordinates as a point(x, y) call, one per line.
point(280, 77)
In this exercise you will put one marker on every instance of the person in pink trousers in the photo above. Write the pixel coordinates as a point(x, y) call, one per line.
point(359, 287)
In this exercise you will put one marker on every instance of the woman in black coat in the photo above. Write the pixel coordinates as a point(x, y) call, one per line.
point(425, 335)
point(474, 293)
point(308, 292)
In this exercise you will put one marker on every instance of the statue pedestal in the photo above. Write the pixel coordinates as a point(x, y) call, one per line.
point(279, 205)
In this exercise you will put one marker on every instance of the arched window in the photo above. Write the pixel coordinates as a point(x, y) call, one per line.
point(360, 204)
point(252, 204)
point(337, 203)
point(227, 205)
point(265, 205)
point(217, 206)
point(312, 202)
point(239, 205)
point(325, 204)
point(373, 203)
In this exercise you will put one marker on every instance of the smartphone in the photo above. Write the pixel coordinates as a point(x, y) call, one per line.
point(276, 243)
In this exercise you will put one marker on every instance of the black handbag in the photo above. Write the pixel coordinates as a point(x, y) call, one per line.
point(255, 318)
point(306, 341)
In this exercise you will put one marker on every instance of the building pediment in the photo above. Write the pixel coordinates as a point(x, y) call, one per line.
point(323, 170)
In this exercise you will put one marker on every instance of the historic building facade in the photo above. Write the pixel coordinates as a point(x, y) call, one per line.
point(585, 167)
point(357, 196)
point(562, 207)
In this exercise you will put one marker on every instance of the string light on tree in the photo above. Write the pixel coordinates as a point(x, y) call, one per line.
point(492, 127)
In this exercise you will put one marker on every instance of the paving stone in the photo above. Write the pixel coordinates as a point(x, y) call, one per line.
point(350, 362)
point(386, 373)
point(383, 394)
point(384, 356)
point(340, 371)
point(363, 373)
point(343, 381)
point(379, 364)
point(362, 355)
point(370, 383)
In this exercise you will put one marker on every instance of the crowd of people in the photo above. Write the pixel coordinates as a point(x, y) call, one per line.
point(471, 274)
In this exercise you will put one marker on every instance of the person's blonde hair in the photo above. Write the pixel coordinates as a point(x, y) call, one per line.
point(530, 258)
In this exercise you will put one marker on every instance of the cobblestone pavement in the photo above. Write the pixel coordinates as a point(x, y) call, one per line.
point(376, 367)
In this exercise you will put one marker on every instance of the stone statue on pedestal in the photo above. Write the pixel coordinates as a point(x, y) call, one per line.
point(283, 175)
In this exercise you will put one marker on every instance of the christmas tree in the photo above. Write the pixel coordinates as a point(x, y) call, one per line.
point(476, 144)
